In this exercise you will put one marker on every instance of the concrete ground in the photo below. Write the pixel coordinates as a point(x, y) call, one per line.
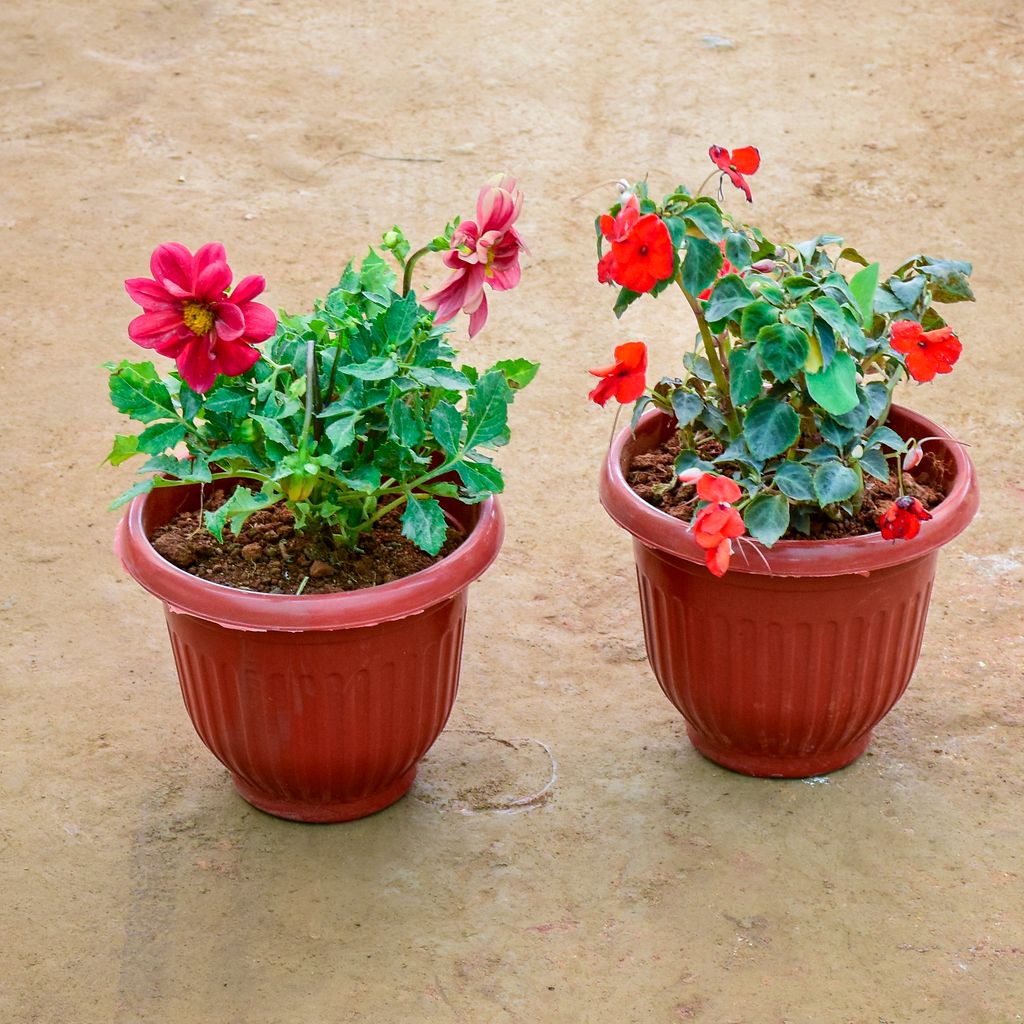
point(645, 885)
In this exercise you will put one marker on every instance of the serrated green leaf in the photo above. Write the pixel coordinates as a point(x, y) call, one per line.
point(639, 408)
point(757, 315)
point(342, 431)
point(701, 265)
point(834, 482)
point(125, 446)
point(487, 417)
point(403, 424)
point(767, 518)
point(400, 320)
point(864, 285)
point(424, 524)
point(875, 463)
point(275, 432)
point(888, 437)
point(240, 505)
point(480, 478)
point(518, 372)
point(706, 219)
point(730, 295)
point(374, 368)
point(795, 480)
point(365, 478)
point(783, 349)
point(446, 426)
point(624, 300)
point(687, 405)
point(737, 250)
point(745, 380)
point(835, 387)
point(230, 402)
point(139, 396)
point(142, 487)
point(161, 436)
point(878, 397)
point(770, 427)
point(445, 377)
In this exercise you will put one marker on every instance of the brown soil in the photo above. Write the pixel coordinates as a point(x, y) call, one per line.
point(270, 557)
point(652, 476)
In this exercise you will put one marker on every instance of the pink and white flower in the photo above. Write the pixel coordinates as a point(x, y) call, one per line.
point(484, 251)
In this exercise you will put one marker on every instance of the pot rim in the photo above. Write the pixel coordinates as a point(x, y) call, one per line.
point(227, 606)
point(833, 557)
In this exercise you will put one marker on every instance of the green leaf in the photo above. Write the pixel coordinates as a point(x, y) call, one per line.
point(125, 446)
point(518, 372)
point(948, 280)
point(275, 432)
point(737, 250)
point(801, 316)
point(701, 265)
point(875, 463)
point(783, 349)
point(835, 387)
point(831, 312)
point(137, 394)
point(908, 292)
point(770, 427)
point(624, 300)
point(342, 431)
point(767, 518)
point(706, 219)
point(375, 368)
point(888, 437)
point(863, 285)
point(795, 480)
point(230, 402)
point(835, 482)
point(400, 320)
point(142, 487)
point(730, 294)
point(236, 510)
point(446, 426)
point(424, 524)
point(639, 408)
point(488, 410)
point(480, 478)
point(757, 315)
point(364, 478)
point(878, 397)
point(161, 436)
point(687, 405)
point(375, 274)
point(403, 424)
point(745, 381)
point(445, 377)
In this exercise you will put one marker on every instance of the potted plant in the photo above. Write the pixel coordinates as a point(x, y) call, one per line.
point(786, 516)
point(317, 495)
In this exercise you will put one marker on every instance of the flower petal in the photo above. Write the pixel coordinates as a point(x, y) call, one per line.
point(151, 329)
point(260, 321)
point(229, 323)
point(196, 365)
point(150, 295)
point(712, 487)
point(171, 266)
point(233, 358)
point(248, 288)
point(746, 160)
point(212, 282)
point(207, 255)
point(478, 317)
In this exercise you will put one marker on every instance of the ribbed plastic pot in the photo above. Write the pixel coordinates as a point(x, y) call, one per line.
point(320, 706)
point(784, 666)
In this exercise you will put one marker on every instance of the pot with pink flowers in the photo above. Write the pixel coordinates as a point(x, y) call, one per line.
point(317, 493)
point(786, 515)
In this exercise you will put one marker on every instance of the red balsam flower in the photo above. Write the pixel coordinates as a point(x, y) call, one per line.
point(625, 380)
point(902, 519)
point(736, 164)
point(927, 352)
point(190, 317)
point(641, 249)
point(715, 525)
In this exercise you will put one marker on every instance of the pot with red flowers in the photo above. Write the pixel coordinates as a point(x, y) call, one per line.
point(317, 494)
point(786, 516)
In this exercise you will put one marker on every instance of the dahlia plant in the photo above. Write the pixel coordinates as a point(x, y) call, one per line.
point(782, 404)
point(346, 413)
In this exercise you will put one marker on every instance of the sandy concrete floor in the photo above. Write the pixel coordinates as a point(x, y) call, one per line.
point(649, 886)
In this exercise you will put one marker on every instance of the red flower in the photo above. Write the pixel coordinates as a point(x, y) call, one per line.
point(484, 251)
point(190, 317)
point(902, 519)
point(717, 523)
point(625, 380)
point(736, 164)
point(927, 352)
point(641, 249)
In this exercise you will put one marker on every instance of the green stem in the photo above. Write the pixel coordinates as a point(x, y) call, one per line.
point(330, 380)
point(310, 390)
point(407, 276)
point(711, 351)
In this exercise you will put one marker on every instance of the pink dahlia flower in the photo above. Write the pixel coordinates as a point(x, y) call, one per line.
point(189, 316)
point(484, 251)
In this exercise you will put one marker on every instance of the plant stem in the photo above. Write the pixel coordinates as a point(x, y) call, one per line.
point(711, 350)
point(407, 276)
point(310, 388)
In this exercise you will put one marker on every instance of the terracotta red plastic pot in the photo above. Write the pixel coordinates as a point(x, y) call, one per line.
point(320, 705)
point(783, 666)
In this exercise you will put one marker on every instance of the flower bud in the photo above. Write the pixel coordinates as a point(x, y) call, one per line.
point(691, 476)
point(913, 457)
point(763, 266)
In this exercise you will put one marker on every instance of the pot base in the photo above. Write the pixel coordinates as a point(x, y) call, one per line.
point(778, 766)
point(332, 811)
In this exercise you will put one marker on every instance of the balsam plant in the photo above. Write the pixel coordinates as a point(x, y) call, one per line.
point(355, 410)
point(794, 363)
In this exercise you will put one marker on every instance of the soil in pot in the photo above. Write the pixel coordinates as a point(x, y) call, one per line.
point(652, 476)
point(269, 557)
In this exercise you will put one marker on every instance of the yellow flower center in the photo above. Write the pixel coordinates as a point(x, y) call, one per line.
point(198, 318)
